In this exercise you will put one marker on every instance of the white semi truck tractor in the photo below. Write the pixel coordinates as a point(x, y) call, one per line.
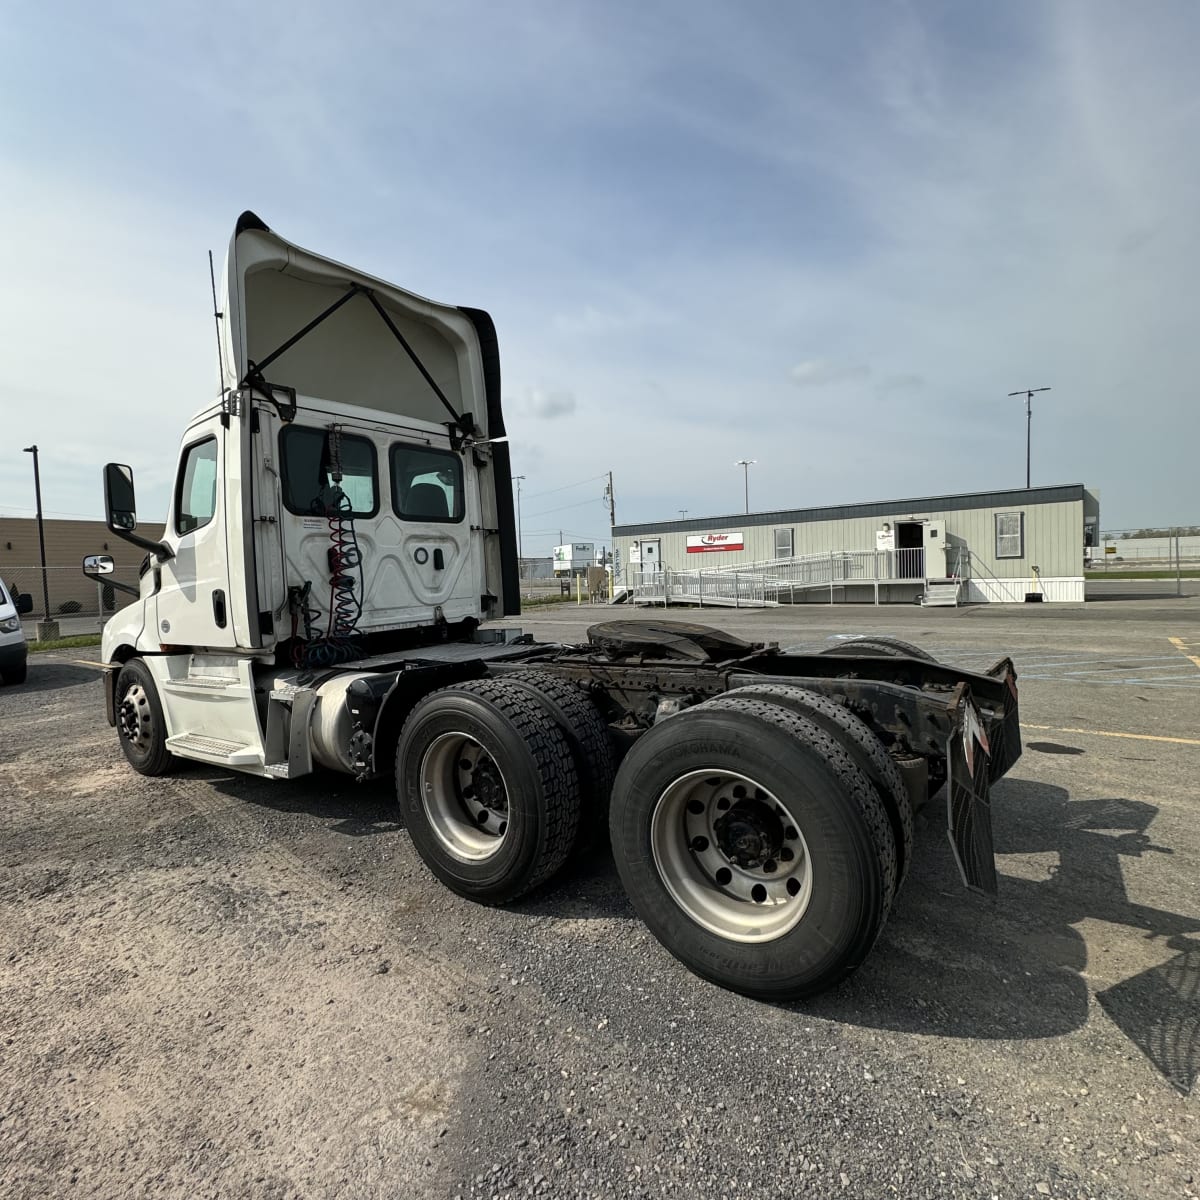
point(340, 535)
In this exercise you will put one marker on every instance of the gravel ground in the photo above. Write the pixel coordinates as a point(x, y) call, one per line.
point(215, 986)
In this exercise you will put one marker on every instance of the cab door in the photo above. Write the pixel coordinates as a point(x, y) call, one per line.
point(194, 606)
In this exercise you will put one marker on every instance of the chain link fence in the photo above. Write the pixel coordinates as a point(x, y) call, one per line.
point(72, 596)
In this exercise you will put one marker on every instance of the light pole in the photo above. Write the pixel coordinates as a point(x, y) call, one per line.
point(746, 464)
point(683, 512)
point(37, 490)
point(520, 560)
point(1028, 394)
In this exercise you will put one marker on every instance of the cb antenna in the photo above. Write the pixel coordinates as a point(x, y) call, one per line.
point(217, 315)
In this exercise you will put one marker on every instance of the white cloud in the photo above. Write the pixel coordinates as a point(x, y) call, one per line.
point(904, 381)
point(816, 372)
point(548, 405)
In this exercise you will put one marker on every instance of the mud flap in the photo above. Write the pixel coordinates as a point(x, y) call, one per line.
point(968, 805)
point(1004, 735)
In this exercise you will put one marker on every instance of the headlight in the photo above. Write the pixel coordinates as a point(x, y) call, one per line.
point(10, 625)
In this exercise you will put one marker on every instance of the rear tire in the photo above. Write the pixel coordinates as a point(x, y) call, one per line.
point(488, 789)
point(591, 743)
point(703, 797)
point(880, 647)
point(140, 721)
point(862, 742)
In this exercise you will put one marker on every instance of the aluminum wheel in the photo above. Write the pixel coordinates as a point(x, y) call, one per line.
point(464, 796)
point(136, 718)
point(732, 855)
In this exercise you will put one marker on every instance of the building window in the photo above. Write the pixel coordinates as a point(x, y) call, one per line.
point(1010, 535)
point(783, 543)
point(196, 498)
point(308, 457)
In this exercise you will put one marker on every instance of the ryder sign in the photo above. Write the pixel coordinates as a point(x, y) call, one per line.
point(708, 543)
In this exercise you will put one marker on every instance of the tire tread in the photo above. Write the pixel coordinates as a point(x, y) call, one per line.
point(852, 778)
point(588, 734)
point(551, 755)
point(840, 721)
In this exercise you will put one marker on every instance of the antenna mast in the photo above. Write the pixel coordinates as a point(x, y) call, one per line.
point(217, 315)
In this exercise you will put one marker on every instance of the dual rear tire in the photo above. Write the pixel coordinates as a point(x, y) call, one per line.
point(761, 835)
point(495, 776)
point(755, 846)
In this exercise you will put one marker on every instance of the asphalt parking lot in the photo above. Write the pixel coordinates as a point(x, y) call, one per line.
point(215, 986)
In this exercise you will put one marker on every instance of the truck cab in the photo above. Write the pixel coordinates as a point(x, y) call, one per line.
point(349, 482)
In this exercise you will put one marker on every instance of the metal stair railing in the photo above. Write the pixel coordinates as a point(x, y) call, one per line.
point(767, 582)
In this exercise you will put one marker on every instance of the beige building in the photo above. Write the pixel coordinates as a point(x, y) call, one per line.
point(995, 543)
point(71, 594)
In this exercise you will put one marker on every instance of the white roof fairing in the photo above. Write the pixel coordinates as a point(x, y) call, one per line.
point(273, 289)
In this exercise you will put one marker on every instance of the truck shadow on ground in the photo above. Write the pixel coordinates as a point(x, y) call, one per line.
point(52, 676)
point(948, 963)
point(346, 807)
point(958, 965)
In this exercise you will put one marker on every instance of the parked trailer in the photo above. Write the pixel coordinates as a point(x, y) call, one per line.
point(340, 533)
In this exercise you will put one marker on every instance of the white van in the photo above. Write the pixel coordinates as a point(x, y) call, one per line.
point(13, 651)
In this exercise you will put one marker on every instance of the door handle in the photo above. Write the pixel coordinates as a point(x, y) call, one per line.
point(218, 599)
point(439, 560)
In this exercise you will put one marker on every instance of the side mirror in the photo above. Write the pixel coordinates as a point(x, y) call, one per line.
point(98, 564)
point(120, 505)
point(23, 604)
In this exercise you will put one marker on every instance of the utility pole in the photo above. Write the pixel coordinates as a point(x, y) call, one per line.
point(520, 552)
point(37, 489)
point(612, 522)
point(1028, 393)
point(746, 464)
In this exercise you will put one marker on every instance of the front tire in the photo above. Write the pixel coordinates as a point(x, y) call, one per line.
point(754, 847)
point(140, 722)
point(488, 789)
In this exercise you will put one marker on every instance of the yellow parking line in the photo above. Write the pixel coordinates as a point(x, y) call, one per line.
point(1183, 647)
point(1138, 737)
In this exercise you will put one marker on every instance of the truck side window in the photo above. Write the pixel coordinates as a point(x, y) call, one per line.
point(427, 484)
point(196, 498)
point(308, 485)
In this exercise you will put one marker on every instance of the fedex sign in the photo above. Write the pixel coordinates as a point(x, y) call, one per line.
point(708, 543)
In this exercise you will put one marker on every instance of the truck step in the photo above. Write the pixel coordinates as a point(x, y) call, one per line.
point(214, 750)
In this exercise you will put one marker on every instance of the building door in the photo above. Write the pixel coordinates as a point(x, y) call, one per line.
point(935, 550)
point(910, 549)
point(651, 557)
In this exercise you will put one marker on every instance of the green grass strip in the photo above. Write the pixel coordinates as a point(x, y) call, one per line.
point(65, 643)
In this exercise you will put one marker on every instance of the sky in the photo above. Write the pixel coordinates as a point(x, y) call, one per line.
point(829, 238)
